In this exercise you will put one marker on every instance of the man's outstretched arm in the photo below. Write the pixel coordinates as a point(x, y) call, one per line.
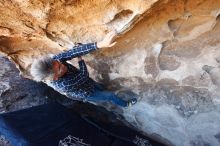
point(87, 48)
point(76, 52)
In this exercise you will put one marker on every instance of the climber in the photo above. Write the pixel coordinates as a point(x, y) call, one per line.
point(76, 83)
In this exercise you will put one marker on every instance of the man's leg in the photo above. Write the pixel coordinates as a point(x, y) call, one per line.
point(99, 86)
point(107, 96)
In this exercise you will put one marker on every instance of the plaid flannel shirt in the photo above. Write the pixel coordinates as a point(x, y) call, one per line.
point(76, 82)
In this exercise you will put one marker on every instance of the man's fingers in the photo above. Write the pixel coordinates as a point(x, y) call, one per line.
point(112, 44)
point(112, 34)
point(79, 58)
point(63, 49)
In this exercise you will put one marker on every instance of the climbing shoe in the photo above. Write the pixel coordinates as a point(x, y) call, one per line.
point(131, 102)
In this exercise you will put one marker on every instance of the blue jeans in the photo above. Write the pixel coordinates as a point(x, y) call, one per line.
point(102, 95)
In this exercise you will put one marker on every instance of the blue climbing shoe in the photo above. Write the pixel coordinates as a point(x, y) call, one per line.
point(131, 102)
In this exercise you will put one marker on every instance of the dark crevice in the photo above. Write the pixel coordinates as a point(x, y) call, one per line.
point(218, 17)
point(122, 15)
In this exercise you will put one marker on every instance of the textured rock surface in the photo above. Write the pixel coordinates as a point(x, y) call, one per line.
point(160, 56)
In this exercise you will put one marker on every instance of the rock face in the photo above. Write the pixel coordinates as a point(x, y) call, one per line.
point(178, 97)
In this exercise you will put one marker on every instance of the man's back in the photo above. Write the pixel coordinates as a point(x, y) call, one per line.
point(75, 83)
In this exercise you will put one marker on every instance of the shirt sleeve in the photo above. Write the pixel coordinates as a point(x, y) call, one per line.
point(76, 51)
point(83, 68)
point(79, 79)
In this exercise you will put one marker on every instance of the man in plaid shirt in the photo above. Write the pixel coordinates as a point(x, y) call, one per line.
point(73, 82)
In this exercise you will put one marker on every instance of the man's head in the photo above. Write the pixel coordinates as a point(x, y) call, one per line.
point(46, 68)
point(59, 70)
